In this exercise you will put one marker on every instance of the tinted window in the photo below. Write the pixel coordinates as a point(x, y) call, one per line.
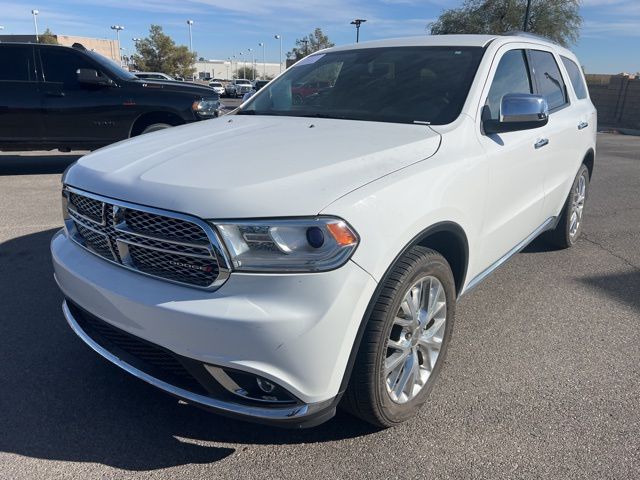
point(397, 84)
point(548, 79)
point(61, 66)
point(16, 63)
point(575, 76)
point(512, 76)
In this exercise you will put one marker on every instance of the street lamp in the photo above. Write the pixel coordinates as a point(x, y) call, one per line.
point(264, 62)
point(243, 66)
point(35, 23)
point(118, 28)
point(190, 23)
point(228, 67)
point(253, 64)
point(357, 22)
point(279, 37)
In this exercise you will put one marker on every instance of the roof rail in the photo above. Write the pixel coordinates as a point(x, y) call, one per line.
point(78, 46)
point(520, 33)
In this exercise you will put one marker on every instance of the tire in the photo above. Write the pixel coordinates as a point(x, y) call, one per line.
point(566, 234)
point(372, 394)
point(154, 127)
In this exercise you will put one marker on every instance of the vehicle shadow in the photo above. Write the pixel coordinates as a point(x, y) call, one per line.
point(624, 287)
point(60, 401)
point(53, 162)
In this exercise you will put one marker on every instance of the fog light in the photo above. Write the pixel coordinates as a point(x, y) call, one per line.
point(265, 385)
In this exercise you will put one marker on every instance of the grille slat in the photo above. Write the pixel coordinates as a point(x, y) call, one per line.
point(170, 248)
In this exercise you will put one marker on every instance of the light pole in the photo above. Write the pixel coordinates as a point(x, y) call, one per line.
point(357, 22)
point(234, 57)
point(35, 23)
point(190, 23)
point(118, 28)
point(253, 64)
point(243, 66)
point(279, 37)
point(264, 61)
point(527, 13)
point(228, 67)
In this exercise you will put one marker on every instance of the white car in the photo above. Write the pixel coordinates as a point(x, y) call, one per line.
point(238, 87)
point(276, 262)
point(217, 87)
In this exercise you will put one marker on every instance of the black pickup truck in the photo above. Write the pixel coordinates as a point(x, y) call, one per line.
point(71, 98)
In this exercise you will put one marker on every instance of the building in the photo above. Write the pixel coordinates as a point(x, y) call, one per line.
point(225, 69)
point(105, 47)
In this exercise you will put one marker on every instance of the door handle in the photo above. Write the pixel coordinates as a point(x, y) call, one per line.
point(541, 143)
point(582, 125)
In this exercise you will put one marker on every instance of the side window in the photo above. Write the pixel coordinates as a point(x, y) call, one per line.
point(512, 76)
point(61, 66)
point(17, 63)
point(549, 82)
point(576, 78)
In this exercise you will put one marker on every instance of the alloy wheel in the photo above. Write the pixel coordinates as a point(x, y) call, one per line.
point(577, 205)
point(415, 339)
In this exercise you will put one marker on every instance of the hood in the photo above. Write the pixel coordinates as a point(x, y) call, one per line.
point(245, 166)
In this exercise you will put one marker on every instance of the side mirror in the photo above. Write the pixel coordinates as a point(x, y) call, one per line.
point(89, 76)
point(519, 111)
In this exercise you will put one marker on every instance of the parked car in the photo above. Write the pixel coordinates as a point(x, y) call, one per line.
point(154, 76)
point(217, 87)
point(318, 255)
point(303, 90)
point(258, 84)
point(238, 87)
point(72, 98)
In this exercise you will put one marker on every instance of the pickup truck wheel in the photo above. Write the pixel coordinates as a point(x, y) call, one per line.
point(155, 127)
point(569, 227)
point(405, 340)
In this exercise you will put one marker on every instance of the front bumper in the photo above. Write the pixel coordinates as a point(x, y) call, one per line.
point(295, 330)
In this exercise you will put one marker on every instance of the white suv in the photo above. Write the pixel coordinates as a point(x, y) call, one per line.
point(272, 263)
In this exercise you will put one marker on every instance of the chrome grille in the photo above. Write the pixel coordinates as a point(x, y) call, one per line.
point(166, 245)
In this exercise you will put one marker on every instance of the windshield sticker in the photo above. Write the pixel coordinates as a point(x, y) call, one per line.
point(309, 60)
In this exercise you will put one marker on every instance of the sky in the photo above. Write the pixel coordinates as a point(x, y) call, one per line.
point(609, 40)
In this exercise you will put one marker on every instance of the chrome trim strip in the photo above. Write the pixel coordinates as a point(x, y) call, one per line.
point(275, 413)
point(216, 244)
point(519, 247)
point(163, 250)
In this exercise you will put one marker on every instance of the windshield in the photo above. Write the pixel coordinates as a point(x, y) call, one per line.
point(111, 66)
point(215, 84)
point(397, 84)
point(243, 82)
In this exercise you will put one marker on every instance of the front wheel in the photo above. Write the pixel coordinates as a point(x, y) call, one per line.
point(155, 127)
point(405, 340)
point(569, 227)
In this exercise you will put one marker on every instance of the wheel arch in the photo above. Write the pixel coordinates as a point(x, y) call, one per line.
point(447, 238)
point(589, 161)
point(149, 118)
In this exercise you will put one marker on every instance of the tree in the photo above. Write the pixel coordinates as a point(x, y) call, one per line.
point(311, 43)
point(48, 37)
point(159, 53)
point(558, 20)
point(246, 72)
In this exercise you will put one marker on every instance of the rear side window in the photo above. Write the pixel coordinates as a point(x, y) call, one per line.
point(575, 77)
point(512, 76)
point(61, 66)
point(549, 82)
point(16, 63)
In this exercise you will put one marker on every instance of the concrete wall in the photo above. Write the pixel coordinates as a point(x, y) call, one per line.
point(618, 102)
point(108, 48)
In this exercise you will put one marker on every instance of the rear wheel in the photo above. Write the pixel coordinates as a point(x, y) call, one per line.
point(405, 341)
point(569, 227)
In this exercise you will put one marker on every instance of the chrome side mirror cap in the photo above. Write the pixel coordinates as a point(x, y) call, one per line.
point(519, 111)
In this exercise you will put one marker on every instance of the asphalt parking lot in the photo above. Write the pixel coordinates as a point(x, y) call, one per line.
point(542, 378)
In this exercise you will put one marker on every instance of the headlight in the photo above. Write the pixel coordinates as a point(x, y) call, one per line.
point(207, 107)
point(291, 245)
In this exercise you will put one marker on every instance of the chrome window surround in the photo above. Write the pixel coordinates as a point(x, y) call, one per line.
point(215, 247)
